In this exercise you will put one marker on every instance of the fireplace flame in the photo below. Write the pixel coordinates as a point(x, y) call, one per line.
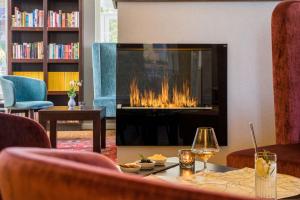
point(148, 98)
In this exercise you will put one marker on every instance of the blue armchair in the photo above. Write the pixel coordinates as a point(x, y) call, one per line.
point(24, 94)
point(104, 76)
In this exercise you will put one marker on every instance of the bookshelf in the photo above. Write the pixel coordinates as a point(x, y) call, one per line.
point(50, 22)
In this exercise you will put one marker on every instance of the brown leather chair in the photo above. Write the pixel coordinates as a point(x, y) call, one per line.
point(286, 79)
point(35, 174)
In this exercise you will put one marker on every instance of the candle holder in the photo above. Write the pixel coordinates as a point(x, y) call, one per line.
point(186, 172)
point(186, 158)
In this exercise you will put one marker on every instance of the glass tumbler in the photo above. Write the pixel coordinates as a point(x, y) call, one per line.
point(265, 175)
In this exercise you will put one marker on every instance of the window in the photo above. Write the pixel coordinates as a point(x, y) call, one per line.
point(106, 21)
point(3, 64)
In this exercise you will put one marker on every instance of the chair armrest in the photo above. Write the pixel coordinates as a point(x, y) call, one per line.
point(89, 158)
point(8, 90)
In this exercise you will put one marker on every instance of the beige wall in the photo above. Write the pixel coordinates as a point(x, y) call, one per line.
point(246, 28)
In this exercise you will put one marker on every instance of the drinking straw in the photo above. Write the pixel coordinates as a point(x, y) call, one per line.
point(253, 136)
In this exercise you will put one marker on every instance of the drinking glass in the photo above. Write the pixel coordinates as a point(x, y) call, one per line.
point(205, 144)
point(81, 105)
point(265, 175)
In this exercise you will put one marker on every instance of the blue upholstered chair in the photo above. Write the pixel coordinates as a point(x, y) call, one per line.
point(104, 75)
point(24, 94)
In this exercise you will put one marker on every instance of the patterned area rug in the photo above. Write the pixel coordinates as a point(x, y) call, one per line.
point(82, 141)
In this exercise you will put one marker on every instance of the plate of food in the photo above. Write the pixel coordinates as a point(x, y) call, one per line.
point(146, 164)
point(159, 159)
point(130, 167)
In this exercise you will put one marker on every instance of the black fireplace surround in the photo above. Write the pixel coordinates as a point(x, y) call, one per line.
point(165, 91)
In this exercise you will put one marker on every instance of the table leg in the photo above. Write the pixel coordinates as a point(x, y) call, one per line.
point(103, 133)
point(96, 135)
point(53, 133)
point(43, 122)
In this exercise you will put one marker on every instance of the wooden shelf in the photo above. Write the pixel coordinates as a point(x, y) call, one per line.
point(32, 29)
point(58, 35)
point(27, 61)
point(63, 61)
point(62, 29)
point(58, 93)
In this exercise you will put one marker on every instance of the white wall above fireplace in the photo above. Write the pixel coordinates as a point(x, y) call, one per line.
point(245, 27)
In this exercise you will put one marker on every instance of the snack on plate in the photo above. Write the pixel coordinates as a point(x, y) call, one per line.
point(144, 160)
point(146, 163)
point(130, 165)
point(157, 157)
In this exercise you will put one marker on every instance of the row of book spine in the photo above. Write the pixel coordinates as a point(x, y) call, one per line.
point(28, 50)
point(60, 19)
point(25, 19)
point(64, 51)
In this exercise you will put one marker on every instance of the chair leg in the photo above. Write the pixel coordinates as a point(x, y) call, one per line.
point(31, 114)
point(7, 110)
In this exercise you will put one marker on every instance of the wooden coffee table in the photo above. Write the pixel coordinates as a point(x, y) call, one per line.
point(95, 114)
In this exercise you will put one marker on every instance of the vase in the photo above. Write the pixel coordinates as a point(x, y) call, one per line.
point(71, 102)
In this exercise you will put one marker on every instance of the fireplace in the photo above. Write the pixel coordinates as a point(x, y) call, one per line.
point(165, 91)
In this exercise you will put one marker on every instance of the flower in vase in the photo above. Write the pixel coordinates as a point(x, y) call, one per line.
point(74, 86)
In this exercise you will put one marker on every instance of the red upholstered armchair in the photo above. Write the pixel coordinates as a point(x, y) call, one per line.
point(286, 79)
point(34, 174)
point(22, 132)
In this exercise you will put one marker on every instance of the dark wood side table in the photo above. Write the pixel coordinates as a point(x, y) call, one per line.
point(95, 114)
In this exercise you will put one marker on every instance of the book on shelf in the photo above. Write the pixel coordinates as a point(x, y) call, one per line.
point(26, 19)
point(28, 50)
point(35, 75)
point(63, 51)
point(60, 81)
point(60, 19)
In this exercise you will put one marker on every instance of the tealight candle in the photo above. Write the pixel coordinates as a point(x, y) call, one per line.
point(186, 158)
point(187, 172)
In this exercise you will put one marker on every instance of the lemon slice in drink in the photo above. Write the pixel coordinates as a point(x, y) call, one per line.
point(262, 167)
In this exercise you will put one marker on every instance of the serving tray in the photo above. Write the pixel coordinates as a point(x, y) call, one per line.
point(156, 169)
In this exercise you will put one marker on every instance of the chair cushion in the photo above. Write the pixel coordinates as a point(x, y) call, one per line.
point(288, 161)
point(33, 105)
